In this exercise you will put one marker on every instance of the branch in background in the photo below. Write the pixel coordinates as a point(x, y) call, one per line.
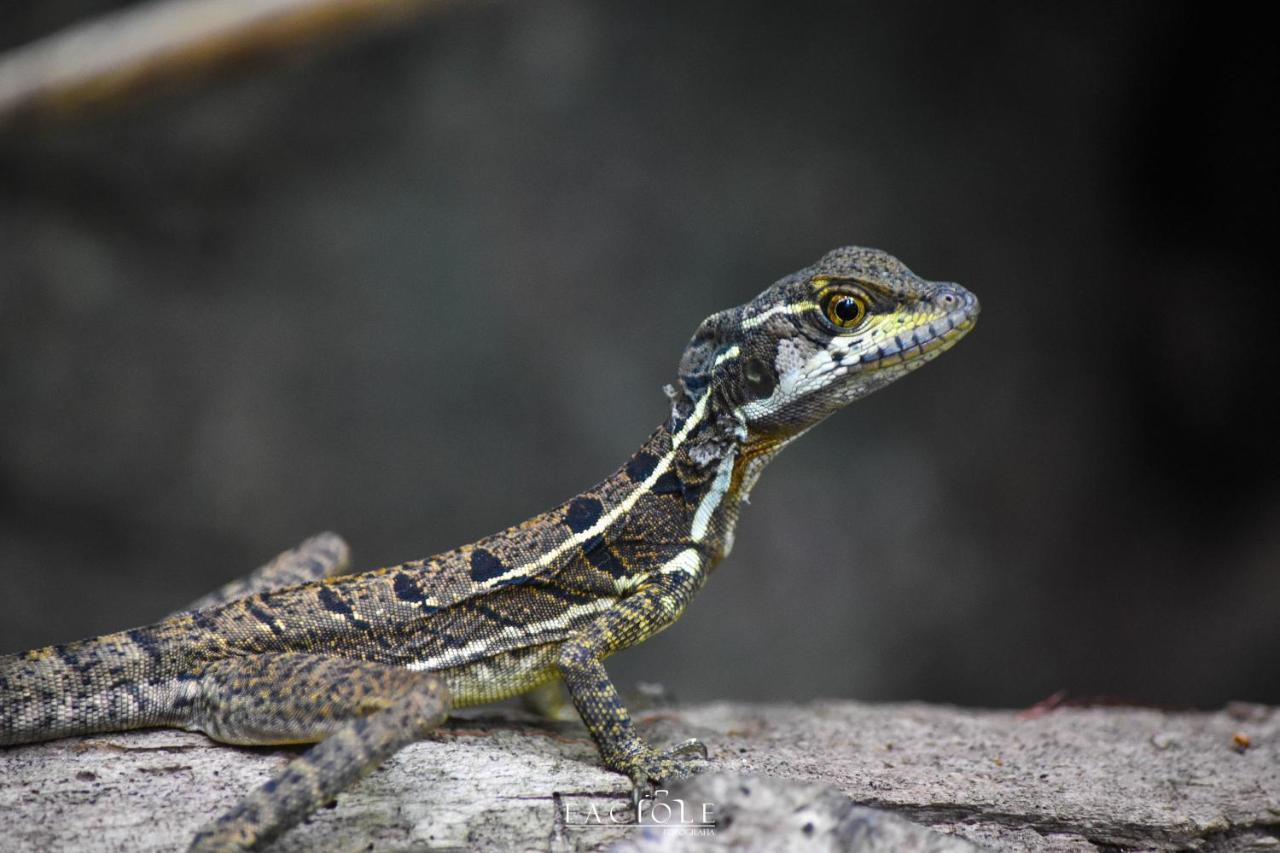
point(155, 43)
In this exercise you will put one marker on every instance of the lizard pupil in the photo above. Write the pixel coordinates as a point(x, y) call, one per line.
point(846, 310)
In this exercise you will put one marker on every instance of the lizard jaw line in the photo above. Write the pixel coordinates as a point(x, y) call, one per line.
point(918, 351)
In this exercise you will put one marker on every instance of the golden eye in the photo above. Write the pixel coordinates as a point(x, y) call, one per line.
point(845, 310)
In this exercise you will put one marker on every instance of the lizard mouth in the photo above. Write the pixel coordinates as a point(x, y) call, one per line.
point(921, 344)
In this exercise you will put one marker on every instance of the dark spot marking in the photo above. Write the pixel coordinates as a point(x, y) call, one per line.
point(333, 602)
point(668, 484)
point(694, 383)
point(582, 513)
point(601, 556)
point(485, 566)
point(264, 617)
point(641, 466)
point(693, 492)
point(450, 639)
point(407, 589)
point(562, 593)
point(147, 643)
point(497, 617)
point(759, 379)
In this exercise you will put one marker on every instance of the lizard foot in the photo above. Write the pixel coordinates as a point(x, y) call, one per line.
point(648, 767)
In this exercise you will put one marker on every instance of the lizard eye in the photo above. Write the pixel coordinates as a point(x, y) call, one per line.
point(845, 310)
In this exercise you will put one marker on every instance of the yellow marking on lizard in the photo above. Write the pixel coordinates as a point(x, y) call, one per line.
point(531, 630)
point(794, 308)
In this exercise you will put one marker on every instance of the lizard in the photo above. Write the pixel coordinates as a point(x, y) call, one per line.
point(361, 664)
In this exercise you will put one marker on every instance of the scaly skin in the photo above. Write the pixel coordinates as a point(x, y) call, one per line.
point(363, 664)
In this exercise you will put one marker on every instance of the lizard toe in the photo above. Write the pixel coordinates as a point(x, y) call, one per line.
point(650, 768)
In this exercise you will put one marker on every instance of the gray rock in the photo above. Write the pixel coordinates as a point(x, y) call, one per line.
point(824, 775)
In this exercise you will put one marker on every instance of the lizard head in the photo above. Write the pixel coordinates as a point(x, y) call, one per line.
point(814, 342)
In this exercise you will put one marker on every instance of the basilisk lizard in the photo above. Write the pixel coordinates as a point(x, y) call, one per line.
point(362, 664)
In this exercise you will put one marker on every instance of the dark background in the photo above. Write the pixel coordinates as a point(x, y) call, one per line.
point(419, 286)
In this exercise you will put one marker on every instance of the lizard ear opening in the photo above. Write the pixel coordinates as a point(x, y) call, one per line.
point(758, 380)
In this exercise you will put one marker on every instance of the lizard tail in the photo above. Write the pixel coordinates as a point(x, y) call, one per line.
point(109, 683)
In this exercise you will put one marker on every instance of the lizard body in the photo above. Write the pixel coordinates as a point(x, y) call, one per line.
point(361, 664)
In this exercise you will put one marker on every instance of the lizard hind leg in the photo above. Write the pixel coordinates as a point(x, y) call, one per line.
point(359, 712)
point(323, 555)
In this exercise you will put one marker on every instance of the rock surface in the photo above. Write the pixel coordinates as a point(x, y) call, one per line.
point(824, 775)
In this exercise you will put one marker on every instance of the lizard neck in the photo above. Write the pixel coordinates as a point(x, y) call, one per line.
point(693, 474)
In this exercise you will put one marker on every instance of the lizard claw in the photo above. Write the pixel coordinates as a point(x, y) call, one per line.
point(649, 767)
point(692, 746)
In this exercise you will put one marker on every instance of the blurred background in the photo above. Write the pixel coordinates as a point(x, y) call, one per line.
point(420, 284)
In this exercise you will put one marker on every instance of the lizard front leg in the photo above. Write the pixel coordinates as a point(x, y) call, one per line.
point(360, 712)
point(652, 607)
